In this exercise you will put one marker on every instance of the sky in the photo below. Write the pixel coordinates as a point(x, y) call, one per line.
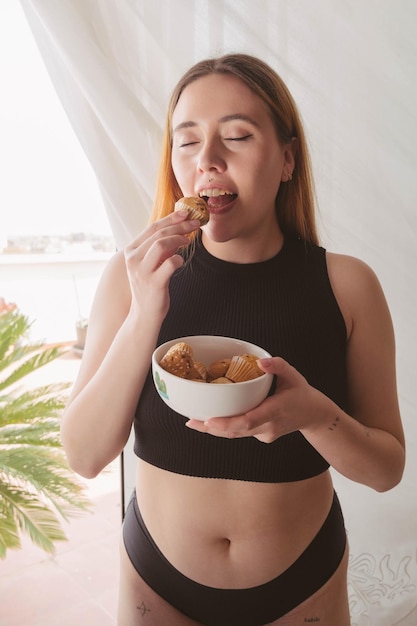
point(47, 184)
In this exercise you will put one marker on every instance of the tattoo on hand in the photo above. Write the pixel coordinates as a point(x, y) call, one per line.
point(334, 424)
point(312, 619)
point(143, 609)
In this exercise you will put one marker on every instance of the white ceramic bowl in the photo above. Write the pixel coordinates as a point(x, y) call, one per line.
point(204, 400)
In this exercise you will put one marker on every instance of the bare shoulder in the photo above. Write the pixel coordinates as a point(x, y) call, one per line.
point(112, 299)
point(115, 274)
point(356, 287)
point(349, 269)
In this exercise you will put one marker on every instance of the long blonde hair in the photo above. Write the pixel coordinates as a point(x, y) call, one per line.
point(295, 198)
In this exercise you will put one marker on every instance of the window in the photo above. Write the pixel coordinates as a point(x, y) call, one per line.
point(54, 237)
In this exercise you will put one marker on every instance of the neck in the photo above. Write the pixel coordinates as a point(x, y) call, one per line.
point(245, 250)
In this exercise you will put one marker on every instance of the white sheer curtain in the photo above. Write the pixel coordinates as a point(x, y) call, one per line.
point(352, 68)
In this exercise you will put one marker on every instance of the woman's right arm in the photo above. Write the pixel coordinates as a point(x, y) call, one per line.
point(131, 302)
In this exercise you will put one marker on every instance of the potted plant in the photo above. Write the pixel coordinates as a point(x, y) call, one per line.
point(81, 327)
point(37, 488)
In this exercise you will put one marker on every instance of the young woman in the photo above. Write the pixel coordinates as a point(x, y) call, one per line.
point(234, 521)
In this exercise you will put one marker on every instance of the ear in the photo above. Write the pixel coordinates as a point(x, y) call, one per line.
point(290, 150)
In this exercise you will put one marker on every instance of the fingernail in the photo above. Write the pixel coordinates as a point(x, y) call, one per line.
point(265, 362)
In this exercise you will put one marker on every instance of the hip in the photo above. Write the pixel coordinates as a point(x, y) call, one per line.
point(231, 534)
point(255, 605)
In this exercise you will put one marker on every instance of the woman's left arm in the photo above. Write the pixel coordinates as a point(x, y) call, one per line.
point(367, 443)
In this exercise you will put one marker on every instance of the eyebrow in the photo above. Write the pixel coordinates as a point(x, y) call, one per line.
point(222, 120)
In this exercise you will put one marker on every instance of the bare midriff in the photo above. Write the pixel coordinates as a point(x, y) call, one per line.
point(229, 533)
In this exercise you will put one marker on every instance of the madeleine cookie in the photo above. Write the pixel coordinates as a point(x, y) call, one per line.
point(241, 369)
point(218, 368)
point(178, 360)
point(197, 209)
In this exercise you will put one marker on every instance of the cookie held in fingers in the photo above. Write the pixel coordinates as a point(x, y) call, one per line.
point(197, 209)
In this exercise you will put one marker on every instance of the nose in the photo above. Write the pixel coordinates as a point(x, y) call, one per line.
point(211, 156)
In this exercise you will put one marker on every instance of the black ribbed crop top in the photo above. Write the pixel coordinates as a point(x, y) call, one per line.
point(287, 306)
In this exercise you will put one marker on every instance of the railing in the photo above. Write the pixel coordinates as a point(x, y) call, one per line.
point(53, 290)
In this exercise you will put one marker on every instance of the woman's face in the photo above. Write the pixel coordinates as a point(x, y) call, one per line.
point(226, 149)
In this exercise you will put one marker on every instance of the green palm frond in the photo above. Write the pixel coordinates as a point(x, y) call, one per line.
point(25, 512)
point(45, 470)
point(41, 433)
point(30, 365)
point(13, 326)
point(25, 406)
point(9, 534)
point(37, 487)
point(19, 352)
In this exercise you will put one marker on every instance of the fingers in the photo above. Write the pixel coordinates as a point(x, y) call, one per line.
point(152, 258)
point(273, 365)
point(167, 267)
point(287, 376)
point(174, 223)
point(226, 427)
point(159, 242)
point(237, 428)
point(266, 422)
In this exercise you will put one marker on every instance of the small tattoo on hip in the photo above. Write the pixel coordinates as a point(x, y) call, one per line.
point(142, 608)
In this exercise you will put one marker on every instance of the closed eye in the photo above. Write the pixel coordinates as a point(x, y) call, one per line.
point(187, 143)
point(243, 138)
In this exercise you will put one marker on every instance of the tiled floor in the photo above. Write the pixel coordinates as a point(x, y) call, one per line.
point(78, 585)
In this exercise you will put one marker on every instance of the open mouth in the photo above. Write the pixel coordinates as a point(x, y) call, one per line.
point(217, 198)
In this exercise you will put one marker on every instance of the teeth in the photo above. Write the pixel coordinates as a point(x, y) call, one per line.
point(213, 193)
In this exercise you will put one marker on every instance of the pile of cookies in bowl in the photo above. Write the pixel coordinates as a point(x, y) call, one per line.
point(232, 381)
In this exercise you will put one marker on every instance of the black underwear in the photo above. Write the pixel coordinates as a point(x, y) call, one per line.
point(254, 606)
